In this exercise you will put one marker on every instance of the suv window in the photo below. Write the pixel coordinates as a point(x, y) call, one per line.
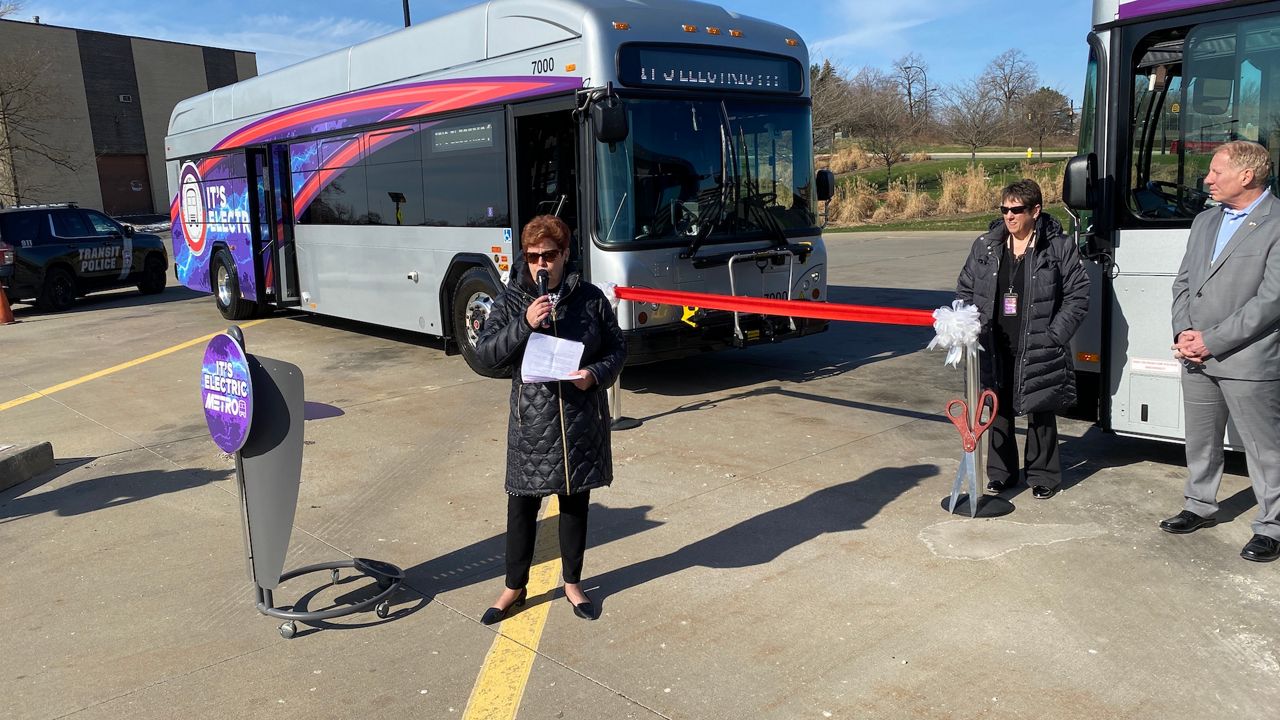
point(21, 229)
point(70, 224)
point(102, 224)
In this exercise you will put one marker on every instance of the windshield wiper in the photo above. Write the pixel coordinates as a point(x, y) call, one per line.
point(726, 186)
point(754, 202)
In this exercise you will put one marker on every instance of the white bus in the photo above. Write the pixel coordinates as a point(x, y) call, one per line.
point(387, 182)
point(1168, 81)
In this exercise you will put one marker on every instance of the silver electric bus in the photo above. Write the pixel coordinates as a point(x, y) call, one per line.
point(387, 182)
point(1168, 81)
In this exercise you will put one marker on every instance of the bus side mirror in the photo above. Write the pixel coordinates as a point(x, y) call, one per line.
point(609, 120)
point(1078, 182)
point(826, 184)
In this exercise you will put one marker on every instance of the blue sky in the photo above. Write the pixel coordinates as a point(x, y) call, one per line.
point(955, 37)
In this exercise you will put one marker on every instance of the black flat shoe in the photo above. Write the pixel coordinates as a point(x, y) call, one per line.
point(1186, 522)
point(495, 615)
point(999, 486)
point(584, 610)
point(1043, 492)
point(1261, 549)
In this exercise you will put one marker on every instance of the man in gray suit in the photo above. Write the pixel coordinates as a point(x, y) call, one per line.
point(1226, 326)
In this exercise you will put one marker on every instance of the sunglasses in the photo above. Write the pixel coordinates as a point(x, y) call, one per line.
point(1016, 209)
point(550, 256)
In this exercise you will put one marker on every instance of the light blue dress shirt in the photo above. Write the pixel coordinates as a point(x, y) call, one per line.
point(1231, 221)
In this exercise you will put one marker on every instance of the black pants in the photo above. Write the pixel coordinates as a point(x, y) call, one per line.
point(1043, 466)
point(522, 529)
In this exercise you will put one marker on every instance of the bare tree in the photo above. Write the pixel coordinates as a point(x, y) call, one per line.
point(972, 115)
point(27, 108)
point(1012, 76)
point(911, 74)
point(832, 100)
point(881, 121)
point(1047, 113)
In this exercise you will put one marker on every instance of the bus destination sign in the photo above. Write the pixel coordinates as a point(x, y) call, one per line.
point(695, 68)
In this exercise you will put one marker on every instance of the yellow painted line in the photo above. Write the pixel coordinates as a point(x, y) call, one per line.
point(114, 369)
point(500, 685)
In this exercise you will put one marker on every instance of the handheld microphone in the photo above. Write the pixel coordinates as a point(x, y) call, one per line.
point(542, 288)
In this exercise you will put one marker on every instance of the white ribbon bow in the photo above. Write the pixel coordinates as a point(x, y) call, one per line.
point(956, 329)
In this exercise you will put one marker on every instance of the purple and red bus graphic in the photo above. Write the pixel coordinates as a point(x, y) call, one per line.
point(211, 207)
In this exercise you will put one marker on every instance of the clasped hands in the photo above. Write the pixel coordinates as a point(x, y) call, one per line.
point(1190, 347)
point(537, 313)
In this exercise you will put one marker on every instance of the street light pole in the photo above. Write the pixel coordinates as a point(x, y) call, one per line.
point(924, 80)
point(406, 13)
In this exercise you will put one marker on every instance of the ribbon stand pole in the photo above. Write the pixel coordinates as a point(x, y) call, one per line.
point(972, 389)
point(615, 408)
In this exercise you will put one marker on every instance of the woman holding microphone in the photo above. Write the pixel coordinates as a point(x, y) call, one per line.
point(557, 432)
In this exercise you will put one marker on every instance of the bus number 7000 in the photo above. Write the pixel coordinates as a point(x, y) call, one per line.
point(545, 65)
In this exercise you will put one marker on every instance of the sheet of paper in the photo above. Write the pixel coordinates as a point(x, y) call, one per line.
point(548, 358)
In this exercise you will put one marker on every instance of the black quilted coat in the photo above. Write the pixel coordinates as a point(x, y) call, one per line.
point(1057, 287)
point(548, 417)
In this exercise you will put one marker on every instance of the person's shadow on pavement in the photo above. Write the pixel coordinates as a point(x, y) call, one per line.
point(761, 539)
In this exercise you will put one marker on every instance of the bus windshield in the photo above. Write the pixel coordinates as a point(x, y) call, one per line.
point(1219, 82)
point(708, 169)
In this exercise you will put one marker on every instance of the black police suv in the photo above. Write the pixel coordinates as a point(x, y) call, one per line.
point(53, 254)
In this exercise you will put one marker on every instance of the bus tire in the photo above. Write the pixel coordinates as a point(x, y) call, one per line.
point(58, 292)
point(226, 288)
point(473, 298)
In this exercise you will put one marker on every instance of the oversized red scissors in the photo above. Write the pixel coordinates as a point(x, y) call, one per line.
point(972, 426)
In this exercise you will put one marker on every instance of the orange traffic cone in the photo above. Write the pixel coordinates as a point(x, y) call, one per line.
point(6, 313)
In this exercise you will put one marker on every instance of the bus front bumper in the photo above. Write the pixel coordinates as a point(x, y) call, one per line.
point(713, 332)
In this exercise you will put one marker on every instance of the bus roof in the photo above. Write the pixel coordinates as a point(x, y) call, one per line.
point(1111, 11)
point(443, 47)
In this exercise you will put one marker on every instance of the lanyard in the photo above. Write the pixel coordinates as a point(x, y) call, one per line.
point(1017, 264)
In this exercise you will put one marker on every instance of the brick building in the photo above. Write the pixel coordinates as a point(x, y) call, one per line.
point(101, 102)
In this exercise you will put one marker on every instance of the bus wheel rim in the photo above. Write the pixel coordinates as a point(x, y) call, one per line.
point(224, 285)
point(478, 308)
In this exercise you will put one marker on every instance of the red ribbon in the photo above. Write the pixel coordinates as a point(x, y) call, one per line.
point(785, 308)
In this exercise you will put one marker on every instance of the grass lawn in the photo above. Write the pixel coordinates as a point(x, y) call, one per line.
point(993, 148)
point(975, 223)
point(928, 173)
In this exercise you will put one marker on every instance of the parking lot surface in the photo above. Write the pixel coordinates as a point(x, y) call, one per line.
point(772, 546)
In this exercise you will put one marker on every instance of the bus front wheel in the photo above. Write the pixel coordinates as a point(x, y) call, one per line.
point(472, 302)
point(226, 289)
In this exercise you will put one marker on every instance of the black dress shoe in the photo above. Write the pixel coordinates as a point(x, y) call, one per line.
point(1186, 522)
point(584, 610)
point(1261, 549)
point(1043, 492)
point(496, 615)
point(999, 486)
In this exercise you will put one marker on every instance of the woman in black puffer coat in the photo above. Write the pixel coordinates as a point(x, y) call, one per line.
point(558, 432)
point(1031, 289)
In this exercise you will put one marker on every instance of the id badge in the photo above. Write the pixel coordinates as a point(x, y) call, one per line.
point(1010, 304)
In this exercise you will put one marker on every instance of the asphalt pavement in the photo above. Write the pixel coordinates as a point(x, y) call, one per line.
point(772, 547)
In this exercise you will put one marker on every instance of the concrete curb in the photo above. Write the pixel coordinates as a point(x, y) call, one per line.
point(20, 463)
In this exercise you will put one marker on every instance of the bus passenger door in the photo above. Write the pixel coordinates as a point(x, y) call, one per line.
point(274, 262)
point(545, 180)
point(282, 226)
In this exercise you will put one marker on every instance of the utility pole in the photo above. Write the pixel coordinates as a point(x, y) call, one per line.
point(406, 12)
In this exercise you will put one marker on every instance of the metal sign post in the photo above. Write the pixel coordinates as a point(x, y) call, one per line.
point(254, 408)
